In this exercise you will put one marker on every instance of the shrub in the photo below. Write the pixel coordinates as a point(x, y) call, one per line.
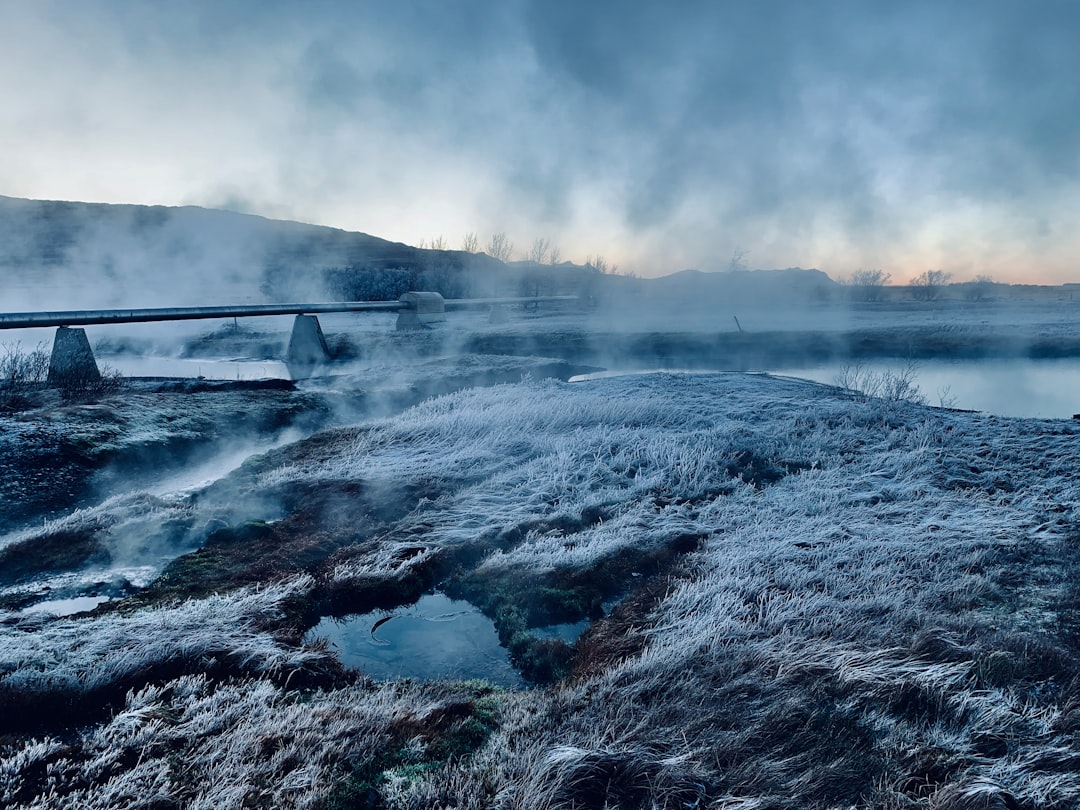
point(927, 285)
point(979, 289)
point(83, 387)
point(889, 385)
point(868, 285)
point(21, 371)
point(19, 368)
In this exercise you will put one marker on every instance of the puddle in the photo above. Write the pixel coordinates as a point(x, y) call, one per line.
point(607, 374)
point(437, 638)
point(66, 607)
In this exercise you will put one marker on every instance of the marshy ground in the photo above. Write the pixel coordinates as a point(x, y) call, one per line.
point(793, 596)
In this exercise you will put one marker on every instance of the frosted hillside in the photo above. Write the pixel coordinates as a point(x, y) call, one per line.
point(797, 596)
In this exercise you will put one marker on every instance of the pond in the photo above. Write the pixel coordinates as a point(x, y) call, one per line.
point(437, 637)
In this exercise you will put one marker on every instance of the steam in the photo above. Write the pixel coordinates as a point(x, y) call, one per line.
point(839, 135)
point(76, 256)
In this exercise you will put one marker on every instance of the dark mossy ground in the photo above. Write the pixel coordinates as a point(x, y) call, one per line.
point(57, 455)
point(418, 745)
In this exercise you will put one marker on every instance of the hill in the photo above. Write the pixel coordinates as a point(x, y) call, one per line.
point(76, 255)
point(81, 255)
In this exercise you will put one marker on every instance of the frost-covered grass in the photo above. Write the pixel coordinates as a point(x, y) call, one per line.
point(47, 667)
point(826, 601)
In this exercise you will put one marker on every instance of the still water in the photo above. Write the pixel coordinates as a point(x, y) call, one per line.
point(438, 637)
point(130, 365)
point(1046, 389)
point(66, 607)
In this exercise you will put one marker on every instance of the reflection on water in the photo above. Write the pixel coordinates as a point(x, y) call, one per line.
point(1048, 389)
point(438, 637)
point(66, 607)
point(131, 365)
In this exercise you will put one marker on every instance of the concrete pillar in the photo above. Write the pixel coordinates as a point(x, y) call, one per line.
point(72, 361)
point(307, 346)
point(422, 309)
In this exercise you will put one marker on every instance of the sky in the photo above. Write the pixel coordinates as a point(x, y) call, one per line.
point(836, 134)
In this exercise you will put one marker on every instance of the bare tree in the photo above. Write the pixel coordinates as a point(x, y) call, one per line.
point(438, 243)
point(471, 243)
point(555, 255)
point(599, 264)
point(927, 285)
point(539, 251)
point(500, 247)
point(738, 259)
point(868, 285)
point(979, 289)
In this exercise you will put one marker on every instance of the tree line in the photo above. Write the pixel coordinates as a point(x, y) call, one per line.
point(870, 285)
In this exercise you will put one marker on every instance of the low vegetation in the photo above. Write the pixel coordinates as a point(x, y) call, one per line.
point(928, 285)
point(869, 285)
point(23, 376)
point(799, 598)
point(20, 372)
point(890, 386)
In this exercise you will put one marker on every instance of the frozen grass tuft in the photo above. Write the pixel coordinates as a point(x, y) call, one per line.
point(49, 668)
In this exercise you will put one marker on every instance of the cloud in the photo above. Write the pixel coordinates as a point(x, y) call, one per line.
point(837, 133)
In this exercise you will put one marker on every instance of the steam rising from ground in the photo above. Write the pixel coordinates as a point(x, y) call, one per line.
point(69, 256)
